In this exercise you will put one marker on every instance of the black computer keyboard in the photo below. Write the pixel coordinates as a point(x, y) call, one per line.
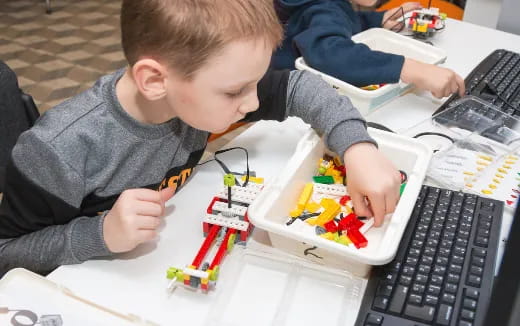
point(495, 80)
point(444, 268)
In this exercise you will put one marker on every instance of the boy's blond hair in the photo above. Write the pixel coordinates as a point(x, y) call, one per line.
point(185, 33)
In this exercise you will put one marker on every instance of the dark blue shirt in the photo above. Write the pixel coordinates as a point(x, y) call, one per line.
point(321, 30)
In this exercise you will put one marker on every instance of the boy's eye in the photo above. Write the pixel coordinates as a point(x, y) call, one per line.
point(235, 93)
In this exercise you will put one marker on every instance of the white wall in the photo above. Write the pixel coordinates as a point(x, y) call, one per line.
point(483, 12)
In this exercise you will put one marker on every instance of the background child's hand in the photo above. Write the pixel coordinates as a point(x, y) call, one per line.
point(440, 81)
point(134, 218)
point(392, 18)
point(372, 180)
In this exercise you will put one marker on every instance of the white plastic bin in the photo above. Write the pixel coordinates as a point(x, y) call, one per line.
point(271, 209)
point(381, 39)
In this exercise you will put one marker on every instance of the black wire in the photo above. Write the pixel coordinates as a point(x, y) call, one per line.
point(401, 24)
point(225, 168)
point(431, 133)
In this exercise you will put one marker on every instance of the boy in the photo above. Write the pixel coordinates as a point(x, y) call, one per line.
point(320, 31)
point(194, 67)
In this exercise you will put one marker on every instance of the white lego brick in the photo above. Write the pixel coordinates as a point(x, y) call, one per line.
point(244, 195)
point(332, 189)
point(227, 222)
point(222, 208)
point(196, 273)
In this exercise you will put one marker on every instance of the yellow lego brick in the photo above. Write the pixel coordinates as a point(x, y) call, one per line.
point(487, 191)
point(512, 157)
point(482, 163)
point(326, 202)
point(204, 281)
point(328, 235)
point(338, 179)
point(330, 212)
point(312, 206)
point(311, 221)
point(332, 172)
point(496, 180)
point(480, 168)
point(498, 175)
point(510, 162)
point(305, 195)
point(505, 166)
point(344, 240)
point(296, 212)
point(469, 185)
point(254, 179)
point(501, 170)
point(469, 173)
point(492, 186)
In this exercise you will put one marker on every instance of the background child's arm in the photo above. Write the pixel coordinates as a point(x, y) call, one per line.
point(326, 44)
point(440, 81)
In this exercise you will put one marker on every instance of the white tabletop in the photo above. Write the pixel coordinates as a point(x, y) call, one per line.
point(135, 282)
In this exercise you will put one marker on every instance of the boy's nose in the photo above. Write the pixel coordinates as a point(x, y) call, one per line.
point(250, 104)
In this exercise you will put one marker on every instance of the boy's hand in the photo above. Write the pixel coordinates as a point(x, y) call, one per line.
point(134, 218)
point(372, 180)
point(440, 81)
point(392, 18)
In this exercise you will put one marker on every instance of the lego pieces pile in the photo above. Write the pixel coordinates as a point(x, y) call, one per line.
point(326, 207)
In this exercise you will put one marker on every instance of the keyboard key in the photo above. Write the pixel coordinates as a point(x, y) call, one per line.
point(380, 303)
point(450, 288)
point(424, 313)
point(397, 303)
point(384, 289)
point(464, 323)
point(415, 299)
point(481, 241)
point(431, 300)
point(374, 319)
point(478, 271)
point(444, 315)
point(448, 298)
point(474, 280)
point(472, 293)
point(467, 315)
point(470, 304)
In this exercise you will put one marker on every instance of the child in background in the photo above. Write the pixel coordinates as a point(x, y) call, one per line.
point(321, 32)
point(82, 183)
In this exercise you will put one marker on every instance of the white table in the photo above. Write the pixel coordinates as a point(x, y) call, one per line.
point(135, 282)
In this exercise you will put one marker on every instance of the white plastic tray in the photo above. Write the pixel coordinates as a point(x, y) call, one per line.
point(381, 39)
point(299, 293)
point(34, 300)
point(271, 209)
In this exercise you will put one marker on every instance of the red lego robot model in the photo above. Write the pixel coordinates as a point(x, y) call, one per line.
point(225, 223)
point(425, 22)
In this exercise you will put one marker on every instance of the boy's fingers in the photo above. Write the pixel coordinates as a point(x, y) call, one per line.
point(167, 193)
point(461, 85)
point(148, 195)
point(378, 206)
point(360, 206)
point(148, 208)
point(148, 223)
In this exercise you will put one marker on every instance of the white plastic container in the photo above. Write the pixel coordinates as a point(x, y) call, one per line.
point(271, 209)
point(381, 39)
point(29, 299)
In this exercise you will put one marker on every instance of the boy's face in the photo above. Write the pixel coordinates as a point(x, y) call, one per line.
point(223, 90)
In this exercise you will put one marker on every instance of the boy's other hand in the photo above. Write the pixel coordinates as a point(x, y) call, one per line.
point(373, 181)
point(134, 218)
point(392, 18)
point(439, 81)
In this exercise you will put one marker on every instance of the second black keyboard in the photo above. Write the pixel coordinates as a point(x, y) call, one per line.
point(444, 268)
point(496, 80)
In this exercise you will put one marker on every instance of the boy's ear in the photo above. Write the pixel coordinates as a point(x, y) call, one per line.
point(150, 78)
